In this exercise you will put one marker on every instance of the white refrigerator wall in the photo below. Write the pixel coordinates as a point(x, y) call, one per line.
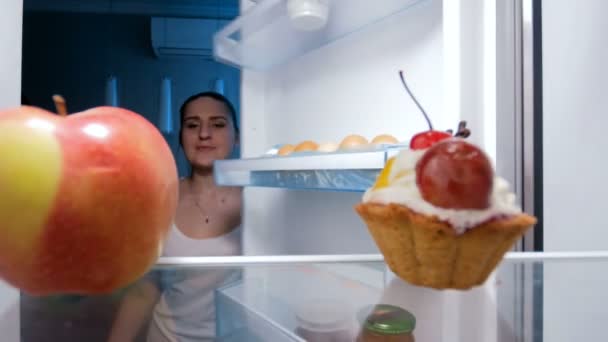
point(352, 87)
point(11, 14)
point(575, 51)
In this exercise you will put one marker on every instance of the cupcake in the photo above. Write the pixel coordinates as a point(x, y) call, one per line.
point(440, 216)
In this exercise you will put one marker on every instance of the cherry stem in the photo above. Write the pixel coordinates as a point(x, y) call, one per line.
point(415, 101)
point(463, 131)
point(60, 105)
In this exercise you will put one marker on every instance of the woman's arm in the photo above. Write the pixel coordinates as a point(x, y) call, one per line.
point(134, 310)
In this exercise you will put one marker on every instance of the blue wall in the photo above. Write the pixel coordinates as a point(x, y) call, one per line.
point(72, 54)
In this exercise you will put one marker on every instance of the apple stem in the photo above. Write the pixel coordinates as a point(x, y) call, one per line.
point(60, 105)
point(415, 101)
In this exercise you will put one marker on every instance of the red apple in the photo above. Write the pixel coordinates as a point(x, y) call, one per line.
point(455, 174)
point(85, 200)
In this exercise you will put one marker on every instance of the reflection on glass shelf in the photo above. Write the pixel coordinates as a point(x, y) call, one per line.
point(530, 297)
point(268, 35)
point(296, 302)
point(340, 171)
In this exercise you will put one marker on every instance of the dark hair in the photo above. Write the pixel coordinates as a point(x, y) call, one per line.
point(211, 94)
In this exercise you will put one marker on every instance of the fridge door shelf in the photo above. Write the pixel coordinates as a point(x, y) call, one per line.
point(338, 171)
point(265, 36)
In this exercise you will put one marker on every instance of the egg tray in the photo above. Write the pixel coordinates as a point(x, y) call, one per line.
point(273, 152)
point(353, 170)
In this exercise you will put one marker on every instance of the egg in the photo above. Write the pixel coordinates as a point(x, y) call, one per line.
point(327, 147)
point(353, 141)
point(307, 145)
point(286, 150)
point(384, 139)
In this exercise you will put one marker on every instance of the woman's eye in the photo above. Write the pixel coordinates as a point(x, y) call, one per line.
point(192, 125)
point(220, 124)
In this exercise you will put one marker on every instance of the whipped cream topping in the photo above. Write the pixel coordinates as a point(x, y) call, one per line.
point(402, 189)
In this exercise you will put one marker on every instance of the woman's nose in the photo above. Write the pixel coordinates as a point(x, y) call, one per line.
point(204, 132)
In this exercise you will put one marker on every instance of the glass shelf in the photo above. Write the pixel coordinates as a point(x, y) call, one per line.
point(265, 37)
point(353, 171)
point(530, 297)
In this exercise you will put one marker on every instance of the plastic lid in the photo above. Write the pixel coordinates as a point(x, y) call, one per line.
point(387, 319)
point(308, 15)
point(323, 315)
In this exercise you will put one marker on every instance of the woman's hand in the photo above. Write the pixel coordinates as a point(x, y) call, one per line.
point(135, 309)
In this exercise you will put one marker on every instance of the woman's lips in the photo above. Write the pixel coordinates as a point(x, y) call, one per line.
point(205, 148)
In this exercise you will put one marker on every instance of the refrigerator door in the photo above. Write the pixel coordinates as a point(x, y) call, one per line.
point(11, 12)
point(552, 146)
point(574, 106)
point(574, 73)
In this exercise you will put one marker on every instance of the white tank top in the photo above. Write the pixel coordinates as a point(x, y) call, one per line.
point(186, 309)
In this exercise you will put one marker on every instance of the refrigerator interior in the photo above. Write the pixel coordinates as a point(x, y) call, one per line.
point(448, 50)
point(351, 86)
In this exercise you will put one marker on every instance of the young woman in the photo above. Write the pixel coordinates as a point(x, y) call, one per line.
point(180, 304)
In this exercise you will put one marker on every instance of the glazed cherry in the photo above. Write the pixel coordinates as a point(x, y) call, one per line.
point(427, 139)
point(455, 174)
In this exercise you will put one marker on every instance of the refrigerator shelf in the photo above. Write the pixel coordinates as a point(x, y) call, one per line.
point(265, 36)
point(563, 291)
point(264, 303)
point(268, 301)
point(338, 171)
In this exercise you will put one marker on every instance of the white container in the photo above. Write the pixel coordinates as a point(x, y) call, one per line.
point(325, 319)
point(308, 15)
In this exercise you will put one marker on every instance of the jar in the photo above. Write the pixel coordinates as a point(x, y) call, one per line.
point(325, 321)
point(386, 323)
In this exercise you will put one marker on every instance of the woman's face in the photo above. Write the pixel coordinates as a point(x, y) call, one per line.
point(208, 132)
